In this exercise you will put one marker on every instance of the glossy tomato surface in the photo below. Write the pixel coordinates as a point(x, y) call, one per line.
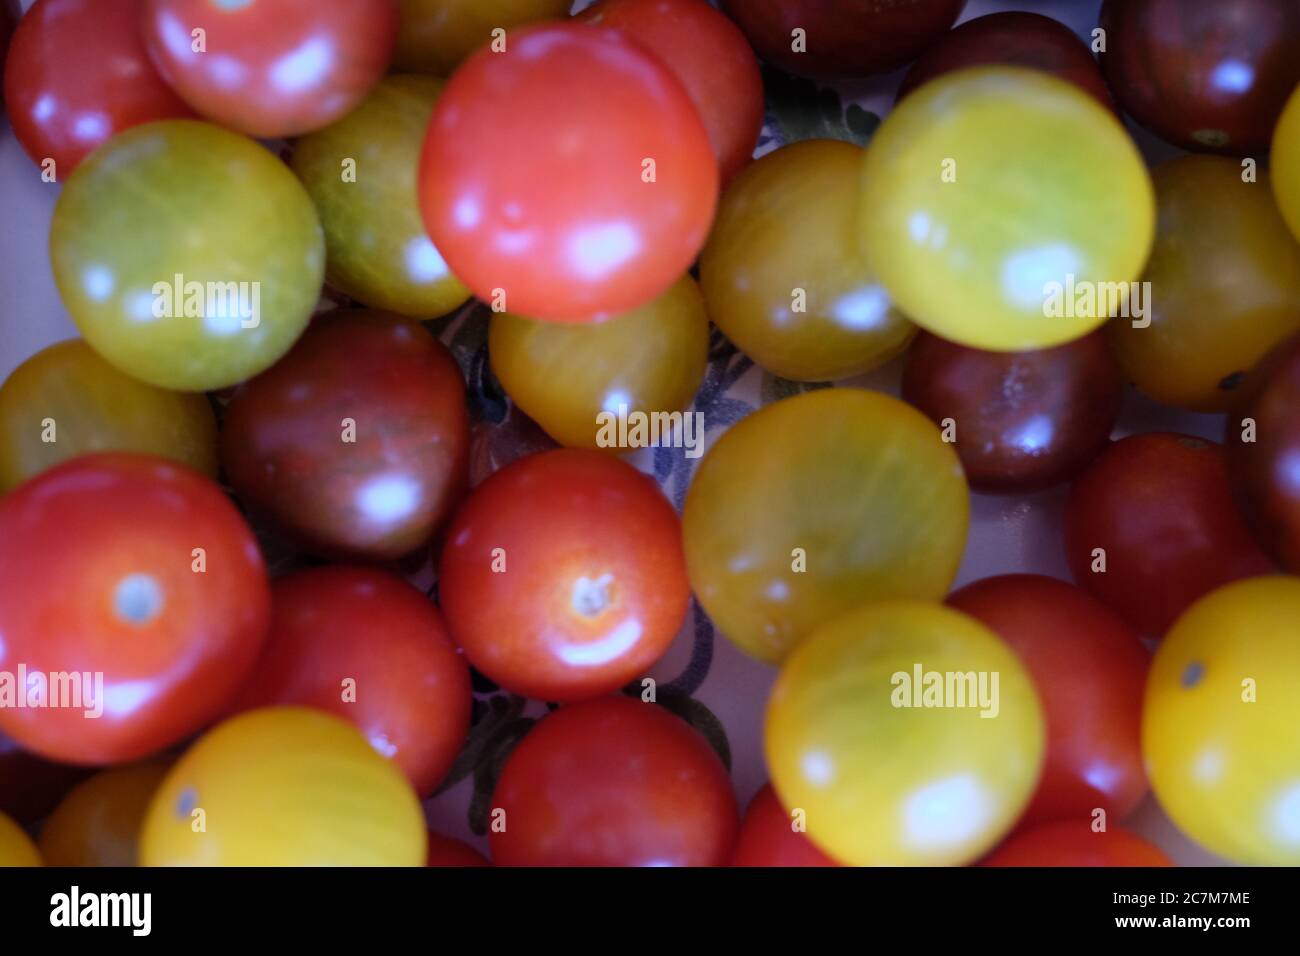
point(768, 836)
point(1156, 513)
point(99, 822)
point(435, 36)
point(139, 570)
point(16, 847)
point(815, 505)
point(370, 648)
point(271, 68)
point(614, 782)
point(1075, 843)
point(1089, 668)
point(449, 852)
point(283, 786)
point(993, 192)
point(356, 443)
point(601, 183)
point(886, 773)
point(1285, 163)
point(563, 576)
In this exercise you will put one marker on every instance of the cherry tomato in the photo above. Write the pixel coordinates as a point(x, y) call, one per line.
point(368, 647)
point(444, 851)
point(563, 575)
point(66, 401)
point(569, 176)
point(991, 195)
point(136, 585)
point(1219, 722)
point(356, 443)
point(782, 273)
point(99, 822)
point(1225, 285)
point(614, 782)
point(16, 847)
point(815, 505)
point(271, 68)
point(1151, 526)
point(283, 786)
point(435, 36)
point(566, 376)
point(1285, 163)
point(768, 837)
point(1089, 669)
point(206, 295)
point(887, 772)
point(31, 787)
point(1075, 843)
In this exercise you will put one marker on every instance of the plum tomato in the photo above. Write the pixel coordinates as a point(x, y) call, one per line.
point(614, 782)
point(207, 294)
point(1021, 421)
point(712, 58)
point(284, 786)
point(16, 847)
point(816, 504)
point(99, 822)
point(1075, 843)
point(370, 648)
point(907, 733)
point(1219, 722)
point(1285, 163)
point(377, 251)
point(568, 177)
point(1001, 205)
point(1151, 526)
point(444, 851)
point(569, 377)
point(77, 74)
point(1089, 669)
point(30, 786)
point(356, 444)
point(435, 36)
point(66, 401)
point(271, 68)
point(782, 274)
point(768, 836)
point(1224, 280)
point(133, 595)
point(563, 576)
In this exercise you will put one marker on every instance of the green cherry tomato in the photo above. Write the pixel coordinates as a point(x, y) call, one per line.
point(189, 256)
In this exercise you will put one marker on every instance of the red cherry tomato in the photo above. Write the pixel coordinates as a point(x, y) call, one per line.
point(1090, 670)
point(1074, 843)
point(569, 176)
point(271, 68)
point(368, 647)
point(563, 575)
point(140, 571)
point(444, 851)
point(78, 73)
point(614, 782)
point(768, 838)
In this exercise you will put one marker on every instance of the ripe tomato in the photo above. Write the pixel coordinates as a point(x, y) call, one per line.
point(367, 647)
point(563, 575)
point(283, 786)
point(815, 505)
point(1089, 669)
point(768, 837)
point(1075, 843)
point(990, 194)
point(1285, 163)
point(614, 782)
point(444, 851)
point(16, 847)
point(357, 442)
point(137, 573)
point(885, 775)
point(99, 822)
point(1219, 722)
point(271, 68)
point(435, 36)
point(569, 176)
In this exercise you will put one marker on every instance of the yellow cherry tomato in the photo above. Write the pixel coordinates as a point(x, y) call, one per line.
point(436, 35)
point(993, 197)
point(1220, 721)
point(66, 401)
point(1284, 161)
point(16, 847)
point(284, 786)
point(98, 823)
point(564, 375)
point(908, 733)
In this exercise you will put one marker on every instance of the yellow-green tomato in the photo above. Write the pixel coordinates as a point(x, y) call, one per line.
point(574, 380)
point(361, 174)
point(993, 196)
point(1284, 161)
point(908, 733)
point(783, 275)
point(189, 256)
point(434, 36)
point(816, 504)
point(66, 401)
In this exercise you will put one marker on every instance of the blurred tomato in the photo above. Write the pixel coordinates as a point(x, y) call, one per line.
point(10, 11)
point(444, 851)
point(1075, 843)
point(1285, 163)
point(99, 822)
point(434, 36)
point(30, 787)
point(16, 847)
point(768, 837)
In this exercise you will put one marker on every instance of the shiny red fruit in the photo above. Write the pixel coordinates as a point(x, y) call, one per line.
point(1074, 843)
point(768, 837)
point(445, 851)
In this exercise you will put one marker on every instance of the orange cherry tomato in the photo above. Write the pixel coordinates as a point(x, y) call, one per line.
point(99, 822)
point(1075, 843)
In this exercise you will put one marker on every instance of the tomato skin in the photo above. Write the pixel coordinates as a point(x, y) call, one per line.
point(445, 851)
point(99, 822)
point(1089, 669)
point(767, 838)
point(1284, 163)
point(272, 68)
point(410, 693)
point(16, 847)
point(567, 229)
point(435, 36)
point(10, 12)
point(1074, 843)
point(563, 576)
point(614, 782)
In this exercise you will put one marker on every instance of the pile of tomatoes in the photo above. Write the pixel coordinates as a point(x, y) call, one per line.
point(165, 698)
